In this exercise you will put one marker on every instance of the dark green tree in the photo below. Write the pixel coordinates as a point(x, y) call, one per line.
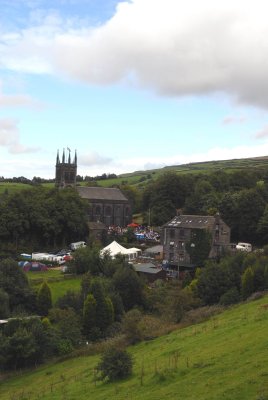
point(247, 283)
point(104, 307)
point(89, 315)
point(115, 364)
point(130, 287)
point(15, 283)
point(212, 283)
point(44, 299)
point(67, 323)
point(4, 304)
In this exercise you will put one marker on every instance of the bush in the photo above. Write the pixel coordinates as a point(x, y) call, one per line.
point(115, 364)
point(232, 296)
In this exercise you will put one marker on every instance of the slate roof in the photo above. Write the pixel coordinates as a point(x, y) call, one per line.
point(191, 221)
point(154, 249)
point(147, 268)
point(100, 193)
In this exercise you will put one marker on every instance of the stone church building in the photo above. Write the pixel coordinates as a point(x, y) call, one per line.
point(106, 205)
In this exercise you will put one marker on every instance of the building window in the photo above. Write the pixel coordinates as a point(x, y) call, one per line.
point(172, 233)
point(181, 232)
point(117, 211)
point(108, 211)
point(98, 210)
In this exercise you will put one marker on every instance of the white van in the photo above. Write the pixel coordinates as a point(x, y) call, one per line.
point(76, 245)
point(244, 247)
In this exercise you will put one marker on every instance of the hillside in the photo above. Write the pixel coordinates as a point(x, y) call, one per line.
point(225, 357)
point(205, 167)
point(138, 177)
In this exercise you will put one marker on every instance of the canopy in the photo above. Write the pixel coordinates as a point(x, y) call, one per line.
point(115, 248)
point(133, 225)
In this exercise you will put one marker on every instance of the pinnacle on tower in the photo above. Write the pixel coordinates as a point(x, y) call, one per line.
point(58, 158)
point(63, 156)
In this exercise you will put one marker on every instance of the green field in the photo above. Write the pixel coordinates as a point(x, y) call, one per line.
point(138, 178)
point(225, 357)
point(58, 282)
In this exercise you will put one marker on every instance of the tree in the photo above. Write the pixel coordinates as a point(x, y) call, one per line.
point(89, 314)
point(67, 323)
point(4, 304)
point(104, 306)
point(247, 283)
point(128, 284)
point(115, 364)
point(14, 282)
point(212, 283)
point(44, 299)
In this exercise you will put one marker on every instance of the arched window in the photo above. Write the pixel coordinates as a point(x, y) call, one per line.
point(98, 210)
point(108, 211)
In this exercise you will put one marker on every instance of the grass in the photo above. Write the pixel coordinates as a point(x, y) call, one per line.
point(225, 357)
point(58, 282)
point(142, 178)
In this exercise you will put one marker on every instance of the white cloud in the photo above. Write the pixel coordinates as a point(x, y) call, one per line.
point(93, 159)
point(263, 133)
point(10, 138)
point(173, 47)
point(18, 100)
point(231, 119)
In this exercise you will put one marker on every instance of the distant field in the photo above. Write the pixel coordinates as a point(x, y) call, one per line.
point(9, 188)
point(141, 178)
point(225, 357)
point(57, 281)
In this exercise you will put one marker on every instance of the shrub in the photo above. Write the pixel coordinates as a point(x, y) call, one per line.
point(232, 296)
point(115, 364)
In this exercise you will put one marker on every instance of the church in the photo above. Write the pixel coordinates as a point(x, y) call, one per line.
point(106, 205)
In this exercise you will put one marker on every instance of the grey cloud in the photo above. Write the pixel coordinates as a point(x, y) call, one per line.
point(172, 47)
point(263, 133)
point(233, 120)
point(20, 100)
point(10, 138)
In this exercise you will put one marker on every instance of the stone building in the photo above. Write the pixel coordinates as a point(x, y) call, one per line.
point(179, 233)
point(106, 205)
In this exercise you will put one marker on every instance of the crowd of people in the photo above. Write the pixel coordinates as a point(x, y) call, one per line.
point(140, 231)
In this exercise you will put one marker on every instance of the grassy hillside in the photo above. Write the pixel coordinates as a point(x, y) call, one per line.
point(58, 282)
point(138, 177)
point(225, 357)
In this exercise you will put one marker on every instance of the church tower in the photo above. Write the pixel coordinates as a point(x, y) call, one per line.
point(66, 170)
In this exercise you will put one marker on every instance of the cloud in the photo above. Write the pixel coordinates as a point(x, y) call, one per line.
point(93, 159)
point(263, 133)
point(18, 100)
point(10, 138)
point(233, 120)
point(172, 47)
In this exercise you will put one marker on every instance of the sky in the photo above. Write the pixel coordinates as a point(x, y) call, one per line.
point(131, 85)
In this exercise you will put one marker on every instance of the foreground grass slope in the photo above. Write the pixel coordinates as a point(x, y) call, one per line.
point(225, 357)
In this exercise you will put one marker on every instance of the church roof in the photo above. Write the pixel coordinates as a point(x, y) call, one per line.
point(100, 193)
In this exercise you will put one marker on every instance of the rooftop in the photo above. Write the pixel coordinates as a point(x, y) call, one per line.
point(100, 193)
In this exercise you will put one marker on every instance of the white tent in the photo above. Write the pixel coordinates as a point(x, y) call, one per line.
point(133, 253)
point(115, 248)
